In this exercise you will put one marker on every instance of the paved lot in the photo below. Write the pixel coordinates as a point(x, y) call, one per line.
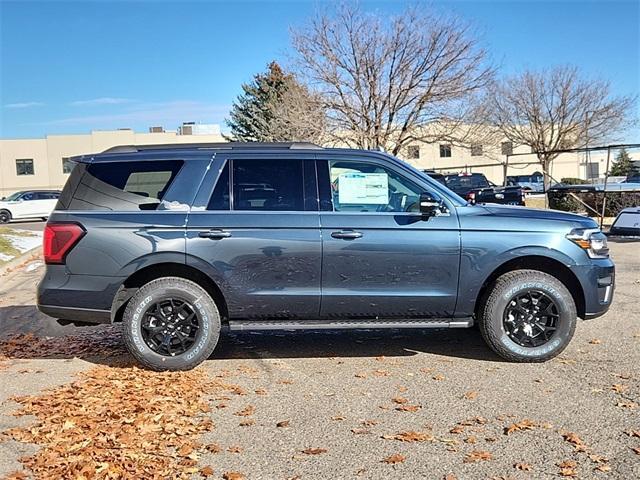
point(349, 395)
point(36, 226)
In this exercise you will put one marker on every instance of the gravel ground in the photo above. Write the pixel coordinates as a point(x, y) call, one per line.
point(340, 392)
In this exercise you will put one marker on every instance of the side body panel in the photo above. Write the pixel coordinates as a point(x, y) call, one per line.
point(269, 264)
point(400, 266)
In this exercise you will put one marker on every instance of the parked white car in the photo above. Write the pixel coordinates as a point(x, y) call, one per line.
point(28, 204)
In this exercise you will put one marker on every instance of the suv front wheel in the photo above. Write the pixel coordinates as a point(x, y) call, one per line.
point(171, 324)
point(528, 316)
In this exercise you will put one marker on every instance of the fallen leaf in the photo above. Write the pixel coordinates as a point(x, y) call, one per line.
point(575, 440)
point(206, 471)
point(213, 448)
point(283, 424)
point(261, 391)
point(457, 429)
point(568, 468)
point(626, 404)
point(360, 431)
point(603, 468)
point(246, 411)
point(471, 395)
point(477, 456)
point(234, 449)
point(408, 408)
point(232, 476)
point(619, 388)
point(438, 377)
point(471, 439)
point(395, 458)
point(399, 400)
point(595, 341)
point(522, 425)
point(410, 437)
point(338, 418)
point(636, 450)
point(525, 467)
point(314, 451)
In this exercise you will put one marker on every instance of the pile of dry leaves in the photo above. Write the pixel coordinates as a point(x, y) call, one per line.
point(119, 423)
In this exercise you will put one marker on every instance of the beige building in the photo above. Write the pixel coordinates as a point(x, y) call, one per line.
point(490, 160)
point(43, 163)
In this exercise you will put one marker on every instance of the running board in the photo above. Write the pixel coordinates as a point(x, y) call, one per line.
point(239, 325)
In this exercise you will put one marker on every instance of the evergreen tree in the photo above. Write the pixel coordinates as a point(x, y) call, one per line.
point(253, 111)
point(623, 165)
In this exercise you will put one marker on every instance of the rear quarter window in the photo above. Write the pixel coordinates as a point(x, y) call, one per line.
point(120, 186)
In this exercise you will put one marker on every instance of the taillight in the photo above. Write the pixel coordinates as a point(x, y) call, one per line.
point(59, 239)
point(471, 197)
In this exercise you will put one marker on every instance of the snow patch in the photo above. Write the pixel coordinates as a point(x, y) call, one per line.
point(28, 241)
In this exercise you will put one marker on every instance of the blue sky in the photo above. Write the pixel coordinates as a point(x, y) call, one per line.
point(72, 67)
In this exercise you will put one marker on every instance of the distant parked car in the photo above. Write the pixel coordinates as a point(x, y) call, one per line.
point(28, 204)
point(529, 183)
point(627, 222)
point(475, 188)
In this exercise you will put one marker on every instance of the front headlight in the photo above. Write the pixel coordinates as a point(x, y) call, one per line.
point(592, 240)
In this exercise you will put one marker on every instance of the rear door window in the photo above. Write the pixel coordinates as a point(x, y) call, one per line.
point(125, 186)
point(266, 185)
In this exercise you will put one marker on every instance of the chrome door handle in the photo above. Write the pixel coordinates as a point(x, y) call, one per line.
point(214, 234)
point(346, 234)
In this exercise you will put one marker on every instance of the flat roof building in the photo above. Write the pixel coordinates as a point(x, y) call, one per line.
point(43, 163)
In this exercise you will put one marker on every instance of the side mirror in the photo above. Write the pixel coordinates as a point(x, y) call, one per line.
point(429, 206)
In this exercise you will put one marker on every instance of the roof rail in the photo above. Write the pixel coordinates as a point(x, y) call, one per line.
point(213, 145)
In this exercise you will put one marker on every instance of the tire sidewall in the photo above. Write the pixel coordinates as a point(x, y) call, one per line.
point(5, 216)
point(206, 337)
point(566, 321)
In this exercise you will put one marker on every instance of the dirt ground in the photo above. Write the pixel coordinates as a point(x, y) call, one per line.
point(360, 404)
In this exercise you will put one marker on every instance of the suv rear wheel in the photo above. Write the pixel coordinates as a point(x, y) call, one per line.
point(171, 324)
point(529, 316)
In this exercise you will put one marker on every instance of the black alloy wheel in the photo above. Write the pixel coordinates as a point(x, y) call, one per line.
point(531, 318)
point(170, 326)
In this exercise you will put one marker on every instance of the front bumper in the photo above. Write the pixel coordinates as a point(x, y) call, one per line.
point(598, 284)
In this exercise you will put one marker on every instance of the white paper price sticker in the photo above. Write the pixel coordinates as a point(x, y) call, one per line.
point(363, 188)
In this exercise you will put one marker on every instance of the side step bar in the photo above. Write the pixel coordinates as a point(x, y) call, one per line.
point(240, 325)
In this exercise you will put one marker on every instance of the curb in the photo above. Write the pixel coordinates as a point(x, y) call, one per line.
point(33, 254)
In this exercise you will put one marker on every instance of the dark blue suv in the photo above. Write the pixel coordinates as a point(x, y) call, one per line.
point(179, 241)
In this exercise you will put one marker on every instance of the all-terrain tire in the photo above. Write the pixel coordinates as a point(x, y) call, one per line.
point(160, 289)
point(505, 288)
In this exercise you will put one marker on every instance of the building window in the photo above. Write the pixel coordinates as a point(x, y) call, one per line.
point(24, 166)
point(593, 170)
point(445, 151)
point(67, 165)
point(413, 152)
point(506, 148)
point(476, 150)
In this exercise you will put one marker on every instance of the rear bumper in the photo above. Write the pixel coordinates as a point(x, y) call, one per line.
point(598, 284)
point(81, 298)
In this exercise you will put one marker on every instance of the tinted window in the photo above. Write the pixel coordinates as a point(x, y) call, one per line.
point(470, 181)
point(220, 197)
point(268, 185)
point(368, 187)
point(124, 185)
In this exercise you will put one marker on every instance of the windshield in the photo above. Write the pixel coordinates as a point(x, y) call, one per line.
point(13, 197)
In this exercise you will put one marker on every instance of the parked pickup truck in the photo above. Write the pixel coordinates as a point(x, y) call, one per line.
point(179, 241)
point(475, 188)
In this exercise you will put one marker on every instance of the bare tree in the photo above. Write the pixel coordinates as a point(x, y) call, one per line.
point(557, 109)
point(383, 80)
point(298, 116)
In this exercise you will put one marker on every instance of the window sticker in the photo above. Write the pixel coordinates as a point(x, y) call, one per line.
point(363, 188)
